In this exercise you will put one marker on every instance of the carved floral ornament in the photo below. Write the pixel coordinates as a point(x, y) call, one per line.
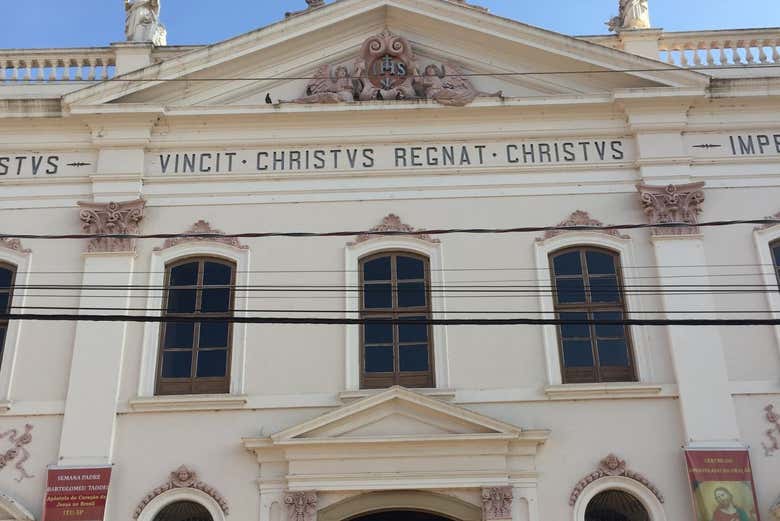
point(673, 204)
point(392, 223)
point(18, 451)
point(609, 467)
point(13, 245)
point(111, 219)
point(301, 506)
point(496, 503)
point(182, 477)
point(387, 69)
point(773, 432)
point(211, 234)
point(580, 218)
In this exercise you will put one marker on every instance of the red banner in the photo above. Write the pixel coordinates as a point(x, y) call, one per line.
point(76, 494)
point(722, 485)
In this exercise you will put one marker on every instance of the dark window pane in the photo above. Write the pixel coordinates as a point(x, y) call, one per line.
point(413, 358)
point(413, 332)
point(379, 359)
point(377, 269)
point(4, 302)
point(604, 289)
point(575, 330)
point(411, 294)
point(3, 331)
point(185, 274)
point(613, 353)
point(178, 334)
point(6, 278)
point(577, 353)
point(215, 300)
point(378, 296)
point(378, 333)
point(600, 263)
point(776, 251)
point(212, 364)
point(177, 364)
point(570, 291)
point(215, 274)
point(410, 268)
point(568, 264)
point(213, 334)
point(181, 301)
point(605, 331)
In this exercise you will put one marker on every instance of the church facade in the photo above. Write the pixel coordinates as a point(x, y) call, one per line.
point(390, 370)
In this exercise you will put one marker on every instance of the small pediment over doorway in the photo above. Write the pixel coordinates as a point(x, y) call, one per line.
point(418, 442)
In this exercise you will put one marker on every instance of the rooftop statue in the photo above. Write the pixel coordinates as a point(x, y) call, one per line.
point(634, 14)
point(142, 22)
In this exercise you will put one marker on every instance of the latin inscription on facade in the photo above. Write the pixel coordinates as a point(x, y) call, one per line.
point(384, 157)
point(746, 145)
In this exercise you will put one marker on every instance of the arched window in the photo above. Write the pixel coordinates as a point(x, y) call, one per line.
point(194, 356)
point(7, 278)
point(184, 511)
point(775, 246)
point(396, 285)
point(588, 286)
point(616, 505)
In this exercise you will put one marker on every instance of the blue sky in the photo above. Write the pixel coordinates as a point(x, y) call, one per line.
point(56, 23)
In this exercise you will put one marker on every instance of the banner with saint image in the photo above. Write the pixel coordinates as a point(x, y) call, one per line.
point(722, 485)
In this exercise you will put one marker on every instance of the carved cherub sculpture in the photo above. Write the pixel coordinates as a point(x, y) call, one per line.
point(448, 86)
point(142, 22)
point(330, 85)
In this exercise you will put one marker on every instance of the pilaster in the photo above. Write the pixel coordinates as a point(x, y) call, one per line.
point(708, 412)
point(89, 425)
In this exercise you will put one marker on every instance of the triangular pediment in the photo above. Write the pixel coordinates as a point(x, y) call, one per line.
point(397, 413)
point(494, 53)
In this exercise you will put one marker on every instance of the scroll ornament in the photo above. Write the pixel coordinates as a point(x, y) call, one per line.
point(18, 450)
point(773, 433)
point(387, 69)
point(392, 223)
point(612, 466)
point(496, 503)
point(301, 506)
point(673, 204)
point(13, 245)
point(182, 477)
point(210, 234)
point(111, 219)
point(580, 218)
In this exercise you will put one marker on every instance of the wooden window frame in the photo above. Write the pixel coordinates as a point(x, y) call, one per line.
point(195, 384)
point(596, 374)
point(416, 379)
point(4, 323)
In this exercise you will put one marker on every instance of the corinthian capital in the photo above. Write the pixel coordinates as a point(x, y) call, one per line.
point(673, 204)
point(111, 219)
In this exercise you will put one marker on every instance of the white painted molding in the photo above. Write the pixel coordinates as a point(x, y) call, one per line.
point(200, 402)
point(763, 238)
point(352, 255)
point(23, 262)
point(624, 247)
point(159, 260)
point(643, 494)
point(181, 494)
point(602, 390)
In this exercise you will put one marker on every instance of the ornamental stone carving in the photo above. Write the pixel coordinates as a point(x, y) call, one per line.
point(608, 467)
point(18, 451)
point(13, 245)
point(496, 503)
point(210, 234)
point(580, 218)
point(182, 477)
point(672, 204)
point(387, 69)
point(111, 219)
point(775, 217)
point(301, 506)
point(142, 22)
point(633, 14)
point(773, 432)
point(392, 223)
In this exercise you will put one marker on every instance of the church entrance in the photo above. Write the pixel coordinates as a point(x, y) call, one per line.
point(400, 515)
point(184, 511)
point(616, 505)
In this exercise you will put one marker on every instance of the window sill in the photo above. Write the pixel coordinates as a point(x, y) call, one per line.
point(189, 402)
point(602, 391)
point(445, 395)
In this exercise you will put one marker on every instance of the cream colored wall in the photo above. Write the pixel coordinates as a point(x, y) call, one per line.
point(753, 425)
